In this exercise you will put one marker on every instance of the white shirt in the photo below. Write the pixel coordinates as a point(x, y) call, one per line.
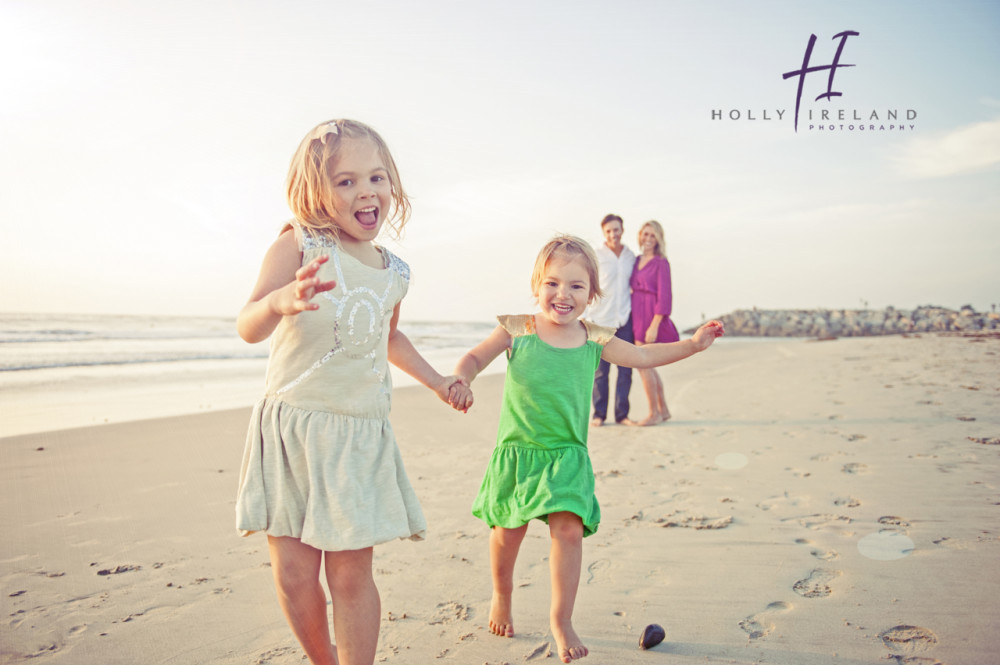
point(615, 307)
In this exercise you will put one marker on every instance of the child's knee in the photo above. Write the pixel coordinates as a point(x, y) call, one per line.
point(566, 527)
point(348, 574)
point(508, 537)
point(293, 580)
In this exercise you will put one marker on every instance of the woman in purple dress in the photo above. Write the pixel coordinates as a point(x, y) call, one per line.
point(651, 305)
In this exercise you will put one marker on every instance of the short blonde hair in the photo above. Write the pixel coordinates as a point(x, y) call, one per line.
point(661, 245)
point(568, 247)
point(308, 185)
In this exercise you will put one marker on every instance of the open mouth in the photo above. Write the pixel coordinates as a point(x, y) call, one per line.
point(367, 217)
point(563, 309)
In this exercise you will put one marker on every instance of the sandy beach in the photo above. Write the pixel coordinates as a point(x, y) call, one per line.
point(810, 503)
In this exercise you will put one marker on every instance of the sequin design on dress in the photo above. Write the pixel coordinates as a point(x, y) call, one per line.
point(360, 313)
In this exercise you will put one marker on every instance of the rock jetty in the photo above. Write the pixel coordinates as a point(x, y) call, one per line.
point(829, 323)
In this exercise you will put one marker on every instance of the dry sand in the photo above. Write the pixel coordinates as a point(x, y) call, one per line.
point(810, 503)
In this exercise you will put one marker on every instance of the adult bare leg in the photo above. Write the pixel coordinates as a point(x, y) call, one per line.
point(652, 385)
point(663, 413)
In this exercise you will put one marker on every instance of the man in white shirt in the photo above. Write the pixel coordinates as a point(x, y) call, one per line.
point(613, 310)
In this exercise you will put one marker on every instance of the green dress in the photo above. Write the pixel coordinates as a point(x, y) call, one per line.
point(540, 464)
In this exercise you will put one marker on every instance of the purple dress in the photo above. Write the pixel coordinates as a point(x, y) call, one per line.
point(650, 296)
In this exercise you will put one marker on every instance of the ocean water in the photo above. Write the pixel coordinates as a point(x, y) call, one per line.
point(70, 370)
point(32, 342)
point(59, 371)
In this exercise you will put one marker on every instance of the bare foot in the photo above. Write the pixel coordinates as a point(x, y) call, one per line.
point(627, 421)
point(596, 422)
point(501, 620)
point(568, 643)
point(665, 416)
point(653, 419)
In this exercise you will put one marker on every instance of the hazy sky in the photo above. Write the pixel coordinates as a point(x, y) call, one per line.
point(144, 146)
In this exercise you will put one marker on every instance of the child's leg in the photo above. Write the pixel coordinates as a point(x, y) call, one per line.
point(504, 546)
point(296, 577)
point(356, 605)
point(565, 560)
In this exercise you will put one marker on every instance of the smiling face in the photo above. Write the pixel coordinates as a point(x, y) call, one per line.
point(612, 234)
point(564, 290)
point(651, 239)
point(647, 240)
point(360, 191)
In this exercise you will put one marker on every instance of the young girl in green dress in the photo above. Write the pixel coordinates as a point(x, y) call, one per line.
point(540, 467)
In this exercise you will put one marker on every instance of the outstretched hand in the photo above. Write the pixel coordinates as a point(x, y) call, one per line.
point(297, 296)
point(708, 333)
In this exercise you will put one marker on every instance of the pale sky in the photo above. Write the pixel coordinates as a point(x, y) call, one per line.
point(144, 146)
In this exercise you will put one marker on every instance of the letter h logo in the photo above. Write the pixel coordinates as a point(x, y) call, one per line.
point(806, 69)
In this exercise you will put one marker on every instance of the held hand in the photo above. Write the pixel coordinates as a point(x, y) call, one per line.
point(297, 296)
point(706, 334)
point(455, 392)
point(652, 333)
point(460, 396)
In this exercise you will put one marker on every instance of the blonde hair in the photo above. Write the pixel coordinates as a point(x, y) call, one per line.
point(661, 245)
point(569, 247)
point(308, 184)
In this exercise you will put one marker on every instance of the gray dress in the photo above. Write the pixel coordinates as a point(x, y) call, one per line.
point(321, 462)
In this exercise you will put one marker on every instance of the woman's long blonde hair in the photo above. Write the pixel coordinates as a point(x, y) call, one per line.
point(661, 245)
point(308, 185)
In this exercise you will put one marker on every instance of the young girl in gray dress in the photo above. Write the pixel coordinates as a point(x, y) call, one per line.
point(321, 473)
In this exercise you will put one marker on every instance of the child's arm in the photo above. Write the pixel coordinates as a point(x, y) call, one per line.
point(405, 356)
point(284, 288)
point(478, 359)
point(619, 352)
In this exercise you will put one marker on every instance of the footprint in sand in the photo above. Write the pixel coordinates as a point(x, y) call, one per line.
point(698, 522)
point(597, 569)
point(543, 650)
point(903, 641)
point(774, 501)
point(818, 552)
point(820, 520)
point(817, 584)
point(855, 468)
point(847, 502)
point(897, 523)
point(265, 658)
point(450, 612)
point(760, 625)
